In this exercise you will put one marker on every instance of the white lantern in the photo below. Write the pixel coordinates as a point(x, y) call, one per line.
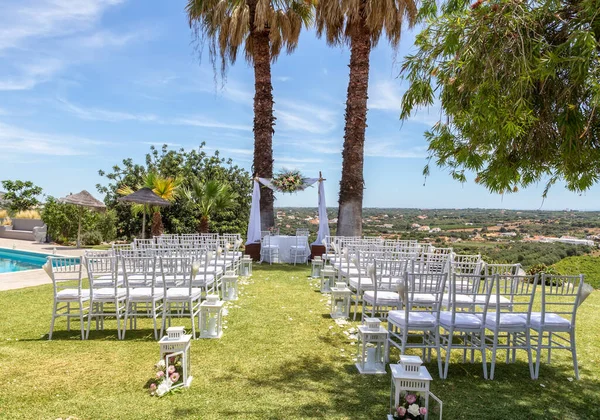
point(211, 317)
point(410, 377)
point(230, 286)
point(327, 277)
point(372, 347)
point(247, 266)
point(340, 301)
point(317, 266)
point(175, 348)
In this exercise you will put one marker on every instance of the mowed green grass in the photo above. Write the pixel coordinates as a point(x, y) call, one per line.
point(281, 357)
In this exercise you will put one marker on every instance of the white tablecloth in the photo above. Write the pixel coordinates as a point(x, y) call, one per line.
point(285, 243)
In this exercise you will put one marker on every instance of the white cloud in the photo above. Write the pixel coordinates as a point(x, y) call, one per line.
point(388, 149)
point(301, 116)
point(25, 21)
point(27, 76)
point(283, 78)
point(18, 140)
point(386, 95)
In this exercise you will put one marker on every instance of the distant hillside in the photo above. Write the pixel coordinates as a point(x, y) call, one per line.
point(587, 265)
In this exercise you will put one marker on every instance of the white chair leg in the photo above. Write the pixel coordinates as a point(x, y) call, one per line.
point(54, 310)
point(81, 321)
point(438, 348)
point(493, 361)
point(529, 353)
point(538, 355)
point(68, 316)
point(574, 354)
point(549, 347)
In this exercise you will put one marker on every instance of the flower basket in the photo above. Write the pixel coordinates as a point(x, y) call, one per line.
point(289, 181)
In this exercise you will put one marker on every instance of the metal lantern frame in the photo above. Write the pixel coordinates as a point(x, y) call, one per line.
point(372, 347)
point(317, 267)
point(327, 278)
point(177, 343)
point(246, 266)
point(411, 377)
point(340, 301)
point(211, 310)
point(229, 284)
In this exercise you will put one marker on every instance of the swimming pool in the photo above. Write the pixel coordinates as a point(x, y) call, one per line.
point(12, 260)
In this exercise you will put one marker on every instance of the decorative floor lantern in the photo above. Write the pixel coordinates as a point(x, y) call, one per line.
point(230, 286)
point(340, 301)
point(410, 389)
point(317, 266)
point(211, 317)
point(175, 350)
point(247, 266)
point(327, 276)
point(372, 347)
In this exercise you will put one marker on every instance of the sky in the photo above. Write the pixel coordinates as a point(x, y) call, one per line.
point(85, 84)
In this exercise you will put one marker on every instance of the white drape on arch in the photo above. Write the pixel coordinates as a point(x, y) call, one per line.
point(254, 222)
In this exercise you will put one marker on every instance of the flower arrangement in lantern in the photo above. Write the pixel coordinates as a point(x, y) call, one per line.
point(230, 286)
point(288, 181)
point(372, 347)
point(211, 317)
point(317, 266)
point(340, 301)
point(410, 390)
point(173, 370)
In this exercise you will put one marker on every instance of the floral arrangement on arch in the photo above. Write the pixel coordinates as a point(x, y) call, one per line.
point(411, 408)
point(288, 181)
point(167, 377)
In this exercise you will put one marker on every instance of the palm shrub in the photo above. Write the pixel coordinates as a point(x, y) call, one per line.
point(208, 197)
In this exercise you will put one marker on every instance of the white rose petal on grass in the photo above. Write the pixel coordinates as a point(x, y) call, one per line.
point(290, 319)
point(543, 386)
point(570, 379)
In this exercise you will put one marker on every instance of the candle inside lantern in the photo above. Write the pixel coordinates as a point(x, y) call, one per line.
point(212, 326)
point(371, 356)
point(230, 293)
point(338, 307)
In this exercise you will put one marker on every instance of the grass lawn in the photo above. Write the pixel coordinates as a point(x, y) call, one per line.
point(584, 264)
point(281, 357)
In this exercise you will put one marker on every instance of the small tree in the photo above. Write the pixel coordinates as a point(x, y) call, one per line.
point(21, 195)
point(209, 197)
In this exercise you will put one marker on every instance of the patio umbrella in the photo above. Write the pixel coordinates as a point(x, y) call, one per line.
point(83, 199)
point(147, 197)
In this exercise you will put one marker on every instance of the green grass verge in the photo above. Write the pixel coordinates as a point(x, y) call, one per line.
point(586, 264)
point(281, 357)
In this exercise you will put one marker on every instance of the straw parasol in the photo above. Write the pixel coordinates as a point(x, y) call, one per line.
point(147, 197)
point(83, 200)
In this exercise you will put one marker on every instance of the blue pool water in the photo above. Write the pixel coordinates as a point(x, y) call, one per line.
point(12, 260)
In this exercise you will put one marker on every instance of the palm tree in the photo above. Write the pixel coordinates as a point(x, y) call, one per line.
point(210, 196)
point(360, 24)
point(165, 187)
point(262, 27)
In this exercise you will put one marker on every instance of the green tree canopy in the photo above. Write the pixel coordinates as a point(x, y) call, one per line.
point(21, 195)
point(182, 216)
point(519, 87)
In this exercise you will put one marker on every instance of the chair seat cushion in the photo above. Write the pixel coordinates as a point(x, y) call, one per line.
point(109, 293)
point(203, 279)
point(299, 247)
point(145, 293)
point(383, 298)
point(183, 293)
point(461, 300)
point(269, 247)
point(507, 320)
point(504, 302)
point(352, 272)
point(365, 283)
point(416, 319)
point(423, 299)
point(551, 320)
point(462, 321)
point(73, 294)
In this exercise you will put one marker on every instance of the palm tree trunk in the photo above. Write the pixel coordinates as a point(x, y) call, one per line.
point(263, 116)
point(203, 228)
point(352, 183)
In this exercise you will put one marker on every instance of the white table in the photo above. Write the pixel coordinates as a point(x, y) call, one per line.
point(285, 243)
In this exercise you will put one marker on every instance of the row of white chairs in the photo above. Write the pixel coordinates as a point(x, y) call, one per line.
point(131, 283)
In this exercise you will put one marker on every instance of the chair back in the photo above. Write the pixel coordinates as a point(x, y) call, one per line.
point(423, 291)
point(102, 270)
point(470, 292)
point(502, 269)
point(518, 293)
point(176, 272)
point(64, 270)
point(560, 296)
point(139, 271)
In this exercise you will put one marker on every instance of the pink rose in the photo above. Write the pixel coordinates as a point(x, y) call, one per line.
point(171, 369)
point(401, 411)
point(160, 374)
point(153, 387)
point(174, 377)
point(411, 398)
point(422, 411)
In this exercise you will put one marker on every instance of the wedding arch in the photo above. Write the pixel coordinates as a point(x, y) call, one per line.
point(286, 183)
